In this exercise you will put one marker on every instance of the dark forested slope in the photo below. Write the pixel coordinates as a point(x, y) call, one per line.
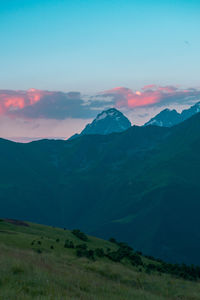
point(141, 185)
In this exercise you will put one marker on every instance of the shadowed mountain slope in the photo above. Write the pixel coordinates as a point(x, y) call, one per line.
point(169, 118)
point(141, 186)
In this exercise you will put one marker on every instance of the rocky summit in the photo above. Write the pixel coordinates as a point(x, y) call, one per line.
point(108, 121)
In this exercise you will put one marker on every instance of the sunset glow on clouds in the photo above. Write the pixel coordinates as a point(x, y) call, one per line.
point(35, 104)
point(151, 95)
point(11, 101)
point(37, 113)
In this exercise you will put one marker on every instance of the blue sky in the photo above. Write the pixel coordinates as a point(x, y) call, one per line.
point(90, 46)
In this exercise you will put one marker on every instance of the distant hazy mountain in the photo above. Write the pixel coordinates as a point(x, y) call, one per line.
point(169, 118)
point(108, 121)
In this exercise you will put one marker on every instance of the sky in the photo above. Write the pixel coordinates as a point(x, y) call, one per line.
point(62, 62)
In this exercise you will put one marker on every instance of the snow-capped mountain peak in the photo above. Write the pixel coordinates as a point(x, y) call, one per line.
point(166, 118)
point(169, 118)
point(106, 122)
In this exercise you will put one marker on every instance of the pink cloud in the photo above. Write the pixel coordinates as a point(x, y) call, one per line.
point(15, 100)
point(134, 99)
point(151, 95)
point(37, 104)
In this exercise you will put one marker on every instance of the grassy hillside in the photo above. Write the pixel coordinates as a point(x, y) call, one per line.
point(35, 264)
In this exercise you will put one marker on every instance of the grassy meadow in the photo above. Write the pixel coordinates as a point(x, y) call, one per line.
point(35, 264)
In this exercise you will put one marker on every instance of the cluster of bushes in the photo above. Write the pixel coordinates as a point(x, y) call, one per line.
point(36, 242)
point(83, 251)
point(184, 271)
point(99, 252)
point(69, 244)
point(81, 235)
point(152, 258)
point(124, 251)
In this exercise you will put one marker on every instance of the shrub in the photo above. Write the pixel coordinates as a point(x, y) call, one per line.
point(114, 256)
point(81, 251)
point(69, 244)
point(16, 270)
point(125, 251)
point(135, 259)
point(140, 270)
point(57, 240)
point(125, 246)
point(112, 240)
point(99, 252)
point(90, 254)
point(81, 246)
point(81, 235)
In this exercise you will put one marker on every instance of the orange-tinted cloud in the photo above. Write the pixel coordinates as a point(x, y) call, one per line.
point(11, 101)
point(151, 95)
point(38, 104)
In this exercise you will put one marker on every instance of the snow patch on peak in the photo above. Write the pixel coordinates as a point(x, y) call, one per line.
point(101, 116)
point(108, 113)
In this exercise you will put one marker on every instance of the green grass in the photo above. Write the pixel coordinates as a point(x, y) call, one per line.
point(58, 274)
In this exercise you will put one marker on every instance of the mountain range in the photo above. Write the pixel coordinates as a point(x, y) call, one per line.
point(112, 120)
point(169, 118)
point(140, 185)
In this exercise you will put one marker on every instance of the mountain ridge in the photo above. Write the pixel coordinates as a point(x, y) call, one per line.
point(169, 118)
point(130, 185)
